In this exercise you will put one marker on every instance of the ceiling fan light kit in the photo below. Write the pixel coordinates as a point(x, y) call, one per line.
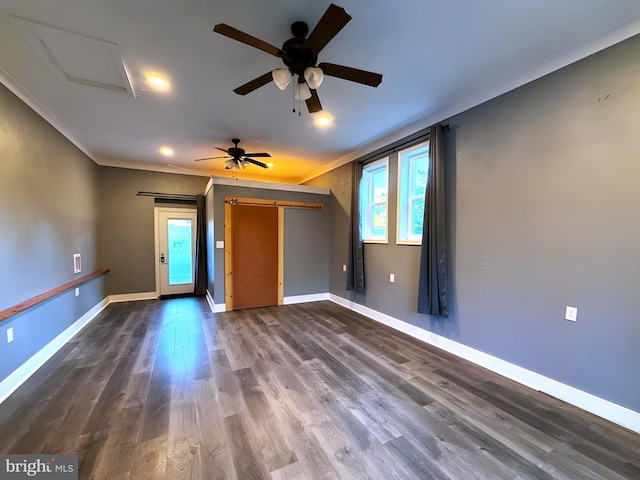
point(313, 76)
point(300, 54)
point(281, 77)
point(302, 91)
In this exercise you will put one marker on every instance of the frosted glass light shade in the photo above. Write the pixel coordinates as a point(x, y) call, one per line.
point(313, 76)
point(229, 164)
point(281, 77)
point(302, 91)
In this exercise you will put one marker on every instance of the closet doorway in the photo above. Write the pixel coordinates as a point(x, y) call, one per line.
point(254, 250)
point(255, 259)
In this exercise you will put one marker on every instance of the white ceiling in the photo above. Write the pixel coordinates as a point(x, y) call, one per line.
point(437, 58)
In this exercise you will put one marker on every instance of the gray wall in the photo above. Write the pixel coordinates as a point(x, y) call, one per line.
point(126, 223)
point(339, 181)
point(48, 212)
point(542, 204)
point(306, 252)
point(308, 276)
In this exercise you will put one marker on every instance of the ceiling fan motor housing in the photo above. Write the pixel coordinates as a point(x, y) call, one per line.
point(236, 152)
point(295, 56)
point(299, 29)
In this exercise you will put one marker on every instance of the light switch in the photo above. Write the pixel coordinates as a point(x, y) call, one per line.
point(344, 268)
point(392, 278)
point(9, 334)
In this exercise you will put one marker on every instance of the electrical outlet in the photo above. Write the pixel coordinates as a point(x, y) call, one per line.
point(571, 313)
point(344, 268)
point(77, 291)
point(392, 278)
point(219, 243)
point(9, 334)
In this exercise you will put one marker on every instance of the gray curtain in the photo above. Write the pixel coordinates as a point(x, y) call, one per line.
point(201, 248)
point(355, 256)
point(432, 285)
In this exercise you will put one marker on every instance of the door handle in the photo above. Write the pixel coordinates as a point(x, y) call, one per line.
point(162, 260)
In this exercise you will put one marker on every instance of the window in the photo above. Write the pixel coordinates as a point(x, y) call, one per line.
point(179, 241)
point(412, 183)
point(373, 201)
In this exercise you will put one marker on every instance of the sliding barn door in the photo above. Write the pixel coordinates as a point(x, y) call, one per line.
point(254, 256)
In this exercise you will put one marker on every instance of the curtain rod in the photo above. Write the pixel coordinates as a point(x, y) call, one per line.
point(180, 196)
point(406, 142)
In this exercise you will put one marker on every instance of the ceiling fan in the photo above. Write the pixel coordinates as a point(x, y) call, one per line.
point(300, 55)
point(237, 158)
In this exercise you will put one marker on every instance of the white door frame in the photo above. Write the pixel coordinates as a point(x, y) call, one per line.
point(156, 230)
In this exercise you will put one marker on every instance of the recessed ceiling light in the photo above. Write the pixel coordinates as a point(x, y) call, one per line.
point(158, 82)
point(323, 120)
point(166, 151)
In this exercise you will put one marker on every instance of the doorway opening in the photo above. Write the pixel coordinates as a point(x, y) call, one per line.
point(254, 250)
point(175, 252)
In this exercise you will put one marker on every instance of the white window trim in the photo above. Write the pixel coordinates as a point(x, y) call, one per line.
point(399, 197)
point(384, 240)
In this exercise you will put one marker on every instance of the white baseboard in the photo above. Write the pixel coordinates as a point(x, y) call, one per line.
point(212, 304)
point(603, 408)
point(24, 371)
point(130, 297)
point(622, 416)
point(313, 297)
point(219, 308)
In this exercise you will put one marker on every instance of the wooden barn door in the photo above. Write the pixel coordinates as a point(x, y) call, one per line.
point(253, 254)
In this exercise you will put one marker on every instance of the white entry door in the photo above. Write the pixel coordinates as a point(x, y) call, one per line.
point(175, 250)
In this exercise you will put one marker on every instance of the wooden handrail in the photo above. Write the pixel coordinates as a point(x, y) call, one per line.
point(22, 306)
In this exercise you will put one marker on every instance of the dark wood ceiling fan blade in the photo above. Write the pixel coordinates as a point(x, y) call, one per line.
point(234, 33)
point(254, 84)
point(211, 158)
point(260, 154)
point(223, 150)
point(313, 103)
point(255, 162)
point(352, 74)
point(333, 20)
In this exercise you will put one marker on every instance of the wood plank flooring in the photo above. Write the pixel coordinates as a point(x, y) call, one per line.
point(168, 390)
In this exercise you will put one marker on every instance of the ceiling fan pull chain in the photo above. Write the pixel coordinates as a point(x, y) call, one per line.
point(293, 90)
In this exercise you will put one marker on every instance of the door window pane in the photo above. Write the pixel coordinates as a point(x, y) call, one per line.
point(179, 251)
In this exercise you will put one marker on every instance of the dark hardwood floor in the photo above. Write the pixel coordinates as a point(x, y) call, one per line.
point(168, 390)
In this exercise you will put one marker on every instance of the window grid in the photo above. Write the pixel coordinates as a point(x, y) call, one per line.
point(373, 203)
point(412, 177)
